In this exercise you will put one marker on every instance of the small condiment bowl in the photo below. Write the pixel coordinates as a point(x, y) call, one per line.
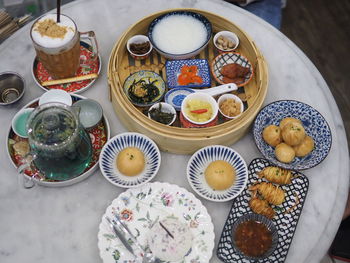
point(138, 39)
point(12, 87)
point(165, 107)
point(203, 97)
point(90, 113)
point(230, 36)
point(227, 96)
point(260, 219)
point(19, 122)
point(56, 95)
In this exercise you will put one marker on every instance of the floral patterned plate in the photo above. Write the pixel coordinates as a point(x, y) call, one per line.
point(17, 148)
point(87, 66)
point(141, 207)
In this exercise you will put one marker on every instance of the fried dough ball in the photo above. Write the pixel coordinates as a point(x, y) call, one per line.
point(287, 120)
point(130, 161)
point(220, 175)
point(284, 153)
point(293, 133)
point(272, 135)
point(305, 147)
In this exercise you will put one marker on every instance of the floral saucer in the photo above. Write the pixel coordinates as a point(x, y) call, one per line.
point(200, 161)
point(87, 66)
point(140, 208)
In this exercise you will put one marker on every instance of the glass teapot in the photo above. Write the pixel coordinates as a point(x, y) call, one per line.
point(60, 148)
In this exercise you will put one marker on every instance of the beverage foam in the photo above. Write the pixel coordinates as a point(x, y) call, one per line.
point(179, 34)
point(54, 42)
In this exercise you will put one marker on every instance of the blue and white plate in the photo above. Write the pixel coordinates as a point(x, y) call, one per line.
point(200, 161)
point(175, 96)
point(315, 126)
point(173, 70)
point(119, 142)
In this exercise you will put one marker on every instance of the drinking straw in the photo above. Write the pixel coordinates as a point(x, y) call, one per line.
point(58, 10)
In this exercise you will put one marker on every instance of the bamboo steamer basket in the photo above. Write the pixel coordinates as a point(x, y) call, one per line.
point(176, 139)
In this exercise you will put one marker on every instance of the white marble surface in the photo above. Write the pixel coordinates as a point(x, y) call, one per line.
point(61, 224)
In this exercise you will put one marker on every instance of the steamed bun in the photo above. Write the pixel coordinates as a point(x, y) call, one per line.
point(272, 135)
point(284, 153)
point(220, 175)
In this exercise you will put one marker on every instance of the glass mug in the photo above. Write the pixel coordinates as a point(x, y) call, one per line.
point(60, 148)
point(57, 45)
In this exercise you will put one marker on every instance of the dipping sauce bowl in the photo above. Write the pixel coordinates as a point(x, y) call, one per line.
point(12, 87)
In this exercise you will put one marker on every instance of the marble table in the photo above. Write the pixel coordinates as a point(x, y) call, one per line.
point(61, 224)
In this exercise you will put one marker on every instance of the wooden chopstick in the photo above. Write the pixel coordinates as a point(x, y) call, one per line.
point(69, 80)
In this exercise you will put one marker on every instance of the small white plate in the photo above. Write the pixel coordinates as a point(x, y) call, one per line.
point(119, 142)
point(200, 161)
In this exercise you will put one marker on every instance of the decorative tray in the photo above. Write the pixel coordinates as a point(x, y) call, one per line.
point(175, 138)
point(99, 135)
point(286, 218)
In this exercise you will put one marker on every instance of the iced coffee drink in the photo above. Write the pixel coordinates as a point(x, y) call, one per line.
point(57, 45)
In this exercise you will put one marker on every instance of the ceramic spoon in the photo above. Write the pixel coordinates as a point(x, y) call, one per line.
point(219, 89)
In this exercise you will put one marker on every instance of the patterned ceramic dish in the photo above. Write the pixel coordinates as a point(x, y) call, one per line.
point(202, 19)
point(140, 208)
point(176, 96)
point(260, 219)
point(286, 215)
point(315, 126)
point(99, 136)
point(175, 67)
point(87, 66)
point(148, 77)
point(118, 143)
point(199, 162)
point(228, 58)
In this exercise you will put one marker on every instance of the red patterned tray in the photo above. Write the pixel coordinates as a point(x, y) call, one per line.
point(87, 66)
point(99, 135)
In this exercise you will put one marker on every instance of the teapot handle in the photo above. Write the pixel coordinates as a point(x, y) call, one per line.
point(24, 180)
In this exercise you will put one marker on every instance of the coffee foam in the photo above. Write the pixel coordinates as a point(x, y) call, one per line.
point(50, 42)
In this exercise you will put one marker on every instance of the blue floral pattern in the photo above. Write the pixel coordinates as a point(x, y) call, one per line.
point(315, 126)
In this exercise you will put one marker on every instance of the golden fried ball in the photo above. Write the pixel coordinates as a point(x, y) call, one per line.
point(293, 133)
point(220, 175)
point(272, 135)
point(130, 161)
point(287, 120)
point(305, 147)
point(284, 153)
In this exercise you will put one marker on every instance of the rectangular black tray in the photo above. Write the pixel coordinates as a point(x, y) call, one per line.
point(286, 223)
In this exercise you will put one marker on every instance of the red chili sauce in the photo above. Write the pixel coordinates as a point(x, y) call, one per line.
point(253, 238)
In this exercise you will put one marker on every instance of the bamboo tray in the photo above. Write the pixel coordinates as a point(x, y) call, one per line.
point(172, 138)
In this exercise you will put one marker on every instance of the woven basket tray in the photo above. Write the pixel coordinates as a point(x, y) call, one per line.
point(174, 138)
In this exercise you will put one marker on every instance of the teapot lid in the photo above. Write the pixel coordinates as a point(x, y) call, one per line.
point(52, 124)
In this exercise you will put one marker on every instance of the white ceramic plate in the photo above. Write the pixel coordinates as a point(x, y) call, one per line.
point(200, 161)
point(141, 207)
point(118, 143)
